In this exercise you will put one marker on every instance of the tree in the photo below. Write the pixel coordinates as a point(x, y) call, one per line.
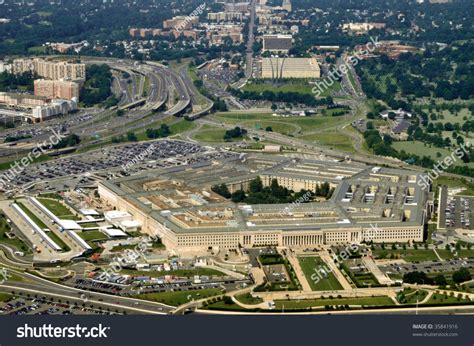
point(132, 137)
point(461, 275)
point(440, 280)
point(256, 185)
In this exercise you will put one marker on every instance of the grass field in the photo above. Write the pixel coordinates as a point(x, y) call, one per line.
point(13, 242)
point(422, 149)
point(408, 255)
point(176, 127)
point(248, 299)
point(297, 125)
point(92, 235)
point(210, 134)
point(333, 139)
point(180, 297)
point(442, 299)
point(325, 281)
point(58, 209)
point(32, 216)
point(455, 182)
point(303, 304)
point(5, 296)
point(301, 87)
point(58, 241)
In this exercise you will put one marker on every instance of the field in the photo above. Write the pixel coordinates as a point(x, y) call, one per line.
point(180, 297)
point(248, 299)
point(445, 299)
point(336, 140)
point(210, 134)
point(305, 304)
point(421, 149)
point(5, 296)
point(15, 242)
point(176, 127)
point(408, 255)
point(92, 235)
point(301, 87)
point(455, 182)
point(283, 125)
point(58, 209)
point(325, 281)
point(32, 216)
point(58, 241)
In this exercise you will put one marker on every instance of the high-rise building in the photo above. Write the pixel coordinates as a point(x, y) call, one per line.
point(57, 89)
point(50, 69)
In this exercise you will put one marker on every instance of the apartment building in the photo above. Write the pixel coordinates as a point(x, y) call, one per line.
point(50, 69)
point(57, 89)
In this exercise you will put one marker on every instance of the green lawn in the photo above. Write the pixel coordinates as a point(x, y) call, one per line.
point(283, 125)
point(210, 134)
point(408, 255)
point(464, 253)
point(32, 216)
point(180, 297)
point(325, 281)
point(301, 87)
point(58, 209)
point(333, 139)
point(5, 296)
point(413, 297)
point(248, 299)
point(303, 304)
point(442, 299)
point(58, 241)
point(421, 149)
point(92, 235)
point(13, 242)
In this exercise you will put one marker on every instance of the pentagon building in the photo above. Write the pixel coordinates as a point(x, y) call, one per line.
point(368, 204)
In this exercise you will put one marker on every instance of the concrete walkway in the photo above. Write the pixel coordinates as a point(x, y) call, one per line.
point(335, 270)
point(299, 273)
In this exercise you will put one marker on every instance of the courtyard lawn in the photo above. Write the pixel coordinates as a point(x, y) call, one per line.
point(179, 297)
point(92, 235)
point(305, 304)
point(58, 209)
point(32, 216)
point(58, 241)
point(326, 281)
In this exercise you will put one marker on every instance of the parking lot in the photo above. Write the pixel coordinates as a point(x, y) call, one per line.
point(458, 213)
point(164, 153)
point(41, 306)
point(428, 267)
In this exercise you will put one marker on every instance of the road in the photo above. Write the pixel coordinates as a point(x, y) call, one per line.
point(250, 42)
